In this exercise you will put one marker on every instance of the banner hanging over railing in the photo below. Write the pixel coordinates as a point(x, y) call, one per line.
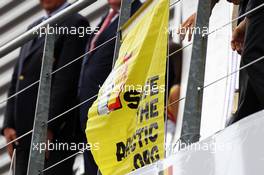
point(127, 119)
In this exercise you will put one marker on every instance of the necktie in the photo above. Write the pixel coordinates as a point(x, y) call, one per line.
point(105, 24)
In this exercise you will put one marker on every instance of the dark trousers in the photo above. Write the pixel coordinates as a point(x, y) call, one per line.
point(90, 166)
point(89, 163)
point(64, 168)
point(251, 83)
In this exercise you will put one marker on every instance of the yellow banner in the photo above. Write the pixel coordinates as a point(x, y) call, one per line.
point(127, 119)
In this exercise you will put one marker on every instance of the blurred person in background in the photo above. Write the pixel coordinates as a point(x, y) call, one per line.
point(175, 69)
point(174, 81)
point(97, 65)
point(20, 110)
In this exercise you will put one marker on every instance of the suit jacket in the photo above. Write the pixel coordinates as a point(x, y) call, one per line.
point(247, 5)
point(20, 111)
point(98, 65)
point(252, 4)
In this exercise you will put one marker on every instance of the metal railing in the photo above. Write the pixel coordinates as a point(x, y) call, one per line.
point(192, 113)
point(29, 35)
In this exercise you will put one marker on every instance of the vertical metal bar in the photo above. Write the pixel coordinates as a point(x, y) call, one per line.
point(37, 157)
point(190, 132)
point(124, 15)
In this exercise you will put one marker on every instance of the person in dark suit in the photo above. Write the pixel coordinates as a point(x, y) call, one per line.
point(248, 40)
point(98, 65)
point(242, 9)
point(20, 110)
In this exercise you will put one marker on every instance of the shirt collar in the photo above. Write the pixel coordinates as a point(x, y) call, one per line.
point(116, 15)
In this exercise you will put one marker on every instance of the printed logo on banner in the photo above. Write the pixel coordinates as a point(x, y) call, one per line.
point(110, 93)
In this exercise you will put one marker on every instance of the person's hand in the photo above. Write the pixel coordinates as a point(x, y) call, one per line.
point(10, 134)
point(187, 26)
point(236, 2)
point(237, 42)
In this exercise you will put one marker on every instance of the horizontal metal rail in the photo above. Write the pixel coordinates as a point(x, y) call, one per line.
point(29, 35)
